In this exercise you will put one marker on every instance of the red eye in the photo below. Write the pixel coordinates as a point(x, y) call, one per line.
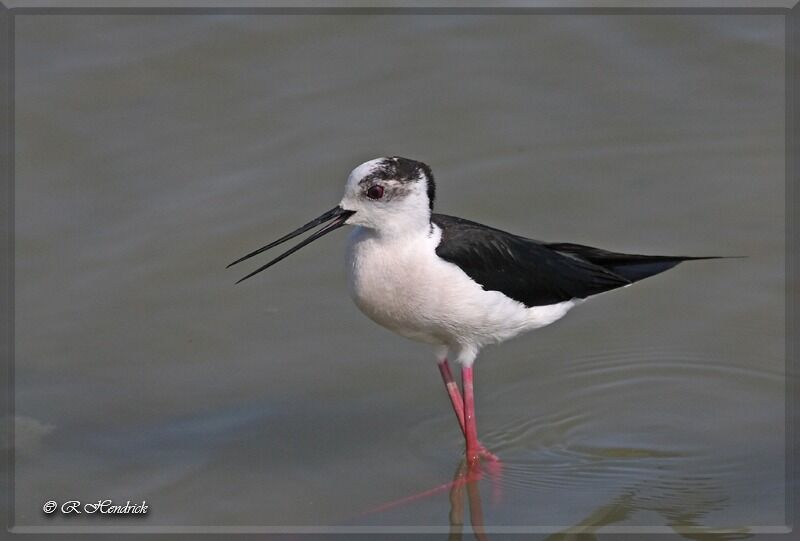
point(375, 192)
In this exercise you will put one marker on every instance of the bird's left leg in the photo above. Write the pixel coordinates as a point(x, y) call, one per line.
point(466, 357)
point(470, 426)
point(456, 400)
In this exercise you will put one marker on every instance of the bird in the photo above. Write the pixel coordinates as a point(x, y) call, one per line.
point(452, 283)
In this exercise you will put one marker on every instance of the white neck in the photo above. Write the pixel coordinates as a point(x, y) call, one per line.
point(403, 225)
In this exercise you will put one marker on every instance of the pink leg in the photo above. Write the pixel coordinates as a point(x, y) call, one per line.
point(470, 427)
point(458, 404)
point(452, 392)
point(476, 510)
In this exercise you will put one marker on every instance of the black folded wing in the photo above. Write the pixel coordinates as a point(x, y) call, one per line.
point(630, 266)
point(537, 273)
point(523, 269)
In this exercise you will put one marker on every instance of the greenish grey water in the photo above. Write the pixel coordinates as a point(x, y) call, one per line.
point(153, 150)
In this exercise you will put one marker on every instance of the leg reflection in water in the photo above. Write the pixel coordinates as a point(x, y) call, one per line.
point(467, 479)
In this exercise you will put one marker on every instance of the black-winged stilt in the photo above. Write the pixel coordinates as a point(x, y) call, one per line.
point(452, 283)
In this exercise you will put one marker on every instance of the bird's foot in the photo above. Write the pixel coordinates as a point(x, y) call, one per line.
point(484, 453)
point(480, 452)
point(481, 462)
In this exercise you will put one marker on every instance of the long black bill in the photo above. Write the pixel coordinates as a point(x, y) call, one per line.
point(337, 214)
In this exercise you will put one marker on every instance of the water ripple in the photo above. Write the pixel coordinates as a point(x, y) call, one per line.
point(641, 422)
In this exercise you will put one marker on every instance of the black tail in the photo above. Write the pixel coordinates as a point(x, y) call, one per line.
point(630, 266)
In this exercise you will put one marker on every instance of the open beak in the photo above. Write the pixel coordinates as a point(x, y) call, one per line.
point(337, 216)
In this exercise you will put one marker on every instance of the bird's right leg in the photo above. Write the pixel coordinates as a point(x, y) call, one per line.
point(452, 391)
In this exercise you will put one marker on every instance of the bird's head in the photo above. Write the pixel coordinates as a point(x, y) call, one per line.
point(390, 195)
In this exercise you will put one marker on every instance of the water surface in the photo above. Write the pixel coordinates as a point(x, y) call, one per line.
point(153, 150)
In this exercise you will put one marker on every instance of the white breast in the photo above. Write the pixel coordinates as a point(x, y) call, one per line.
point(401, 284)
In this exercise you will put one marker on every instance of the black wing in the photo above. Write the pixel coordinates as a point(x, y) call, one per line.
point(630, 266)
point(523, 269)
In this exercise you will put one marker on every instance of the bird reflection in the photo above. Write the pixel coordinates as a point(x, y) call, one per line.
point(683, 506)
point(683, 502)
point(466, 479)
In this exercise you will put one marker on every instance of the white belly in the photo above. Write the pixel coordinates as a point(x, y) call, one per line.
point(402, 285)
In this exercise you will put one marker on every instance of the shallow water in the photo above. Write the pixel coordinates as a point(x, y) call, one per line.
point(153, 150)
